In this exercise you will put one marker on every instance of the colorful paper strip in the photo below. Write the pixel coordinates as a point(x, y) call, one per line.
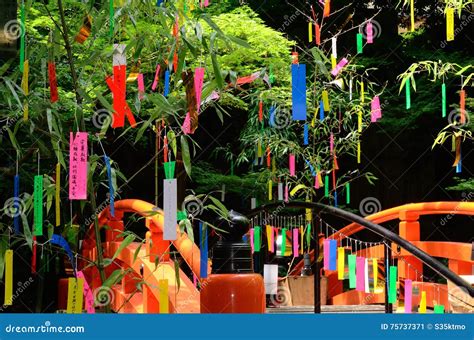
point(392, 291)
point(75, 295)
point(340, 263)
point(38, 205)
point(408, 295)
point(360, 274)
point(78, 154)
point(8, 297)
point(163, 298)
point(203, 249)
point(298, 74)
point(351, 261)
point(295, 242)
point(170, 209)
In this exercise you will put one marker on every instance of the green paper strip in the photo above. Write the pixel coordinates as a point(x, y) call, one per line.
point(271, 77)
point(169, 169)
point(348, 193)
point(283, 241)
point(392, 290)
point(308, 235)
point(408, 93)
point(257, 238)
point(351, 261)
point(360, 43)
point(38, 205)
point(181, 215)
point(111, 17)
point(326, 186)
point(443, 94)
point(22, 37)
point(439, 309)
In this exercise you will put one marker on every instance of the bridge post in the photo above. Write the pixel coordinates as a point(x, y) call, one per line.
point(387, 259)
point(409, 229)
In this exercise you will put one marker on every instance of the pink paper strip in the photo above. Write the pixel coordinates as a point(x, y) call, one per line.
point(78, 166)
point(408, 295)
point(156, 79)
point(198, 83)
point(316, 182)
point(331, 143)
point(296, 246)
point(89, 297)
point(292, 165)
point(272, 240)
point(141, 86)
point(376, 111)
point(206, 3)
point(370, 33)
point(186, 127)
point(326, 254)
point(360, 274)
point(251, 238)
point(286, 193)
point(339, 67)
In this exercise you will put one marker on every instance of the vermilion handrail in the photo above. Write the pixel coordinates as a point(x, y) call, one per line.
point(185, 246)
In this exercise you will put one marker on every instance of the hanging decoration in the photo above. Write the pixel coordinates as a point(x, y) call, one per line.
point(257, 239)
point(163, 299)
point(38, 205)
point(443, 100)
point(170, 204)
point(203, 246)
point(298, 74)
point(88, 295)
point(295, 242)
point(61, 242)
point(351, 261)
point(75, 295)
point(360, 274)
point(340, 263)
point(408, 93)
point(408, 295)
point(117, 85)
point(78, 154)
point(449, 23)
point(392, 290)
point(85, 29)
point(25, 88)
point(8, 283)
point(376, 111)
point(270, 238)
point(111, 186)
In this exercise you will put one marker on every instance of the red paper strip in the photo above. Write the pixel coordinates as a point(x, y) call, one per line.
point(33, 256)
point(269, 158)
point(156, 79)
point(117, 84)
point(198, 84)
point(165, 149)
point(462, 106)
point(53, 85)
point(260, 111)
point(317, 33)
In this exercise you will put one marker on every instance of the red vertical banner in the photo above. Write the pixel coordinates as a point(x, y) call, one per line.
point(53, 85)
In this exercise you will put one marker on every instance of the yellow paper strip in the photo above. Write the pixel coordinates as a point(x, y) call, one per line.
point(309, 213)
point(8, 278)
point(340, 263)
point(259, 149)
point(273, 165)
point(163, 297)
point(301, 240)
point(333, 62)
point(269, 231)
point(25, 111)
point(296, 189)
point(375, 272)
point(362, 92)
point(359, 121)
point(412, 15)
point(270, 190)
point(24, 79)
point(75, 295)
point(310, 31)
point(422, 308)
point(450, 24)
point(57, 202)
point(325, 96)
point(358, 152)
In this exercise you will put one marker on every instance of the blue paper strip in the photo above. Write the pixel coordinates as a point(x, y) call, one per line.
point(335, 198)
point(298, 83)
point(321, 110)
point(459, 165)
point(332, 254)
point(203, 248)
point(16, 204)
point(167, 83)
point(111, 187)
point(272, 116)
point(311, 168)
point(60, 241)
point(306, 135)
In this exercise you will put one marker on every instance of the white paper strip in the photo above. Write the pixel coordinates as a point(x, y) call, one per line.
point(223, 193)
point(253, 203)
point(280, 191)
point(119, 57)
point(270, 278)
point(350, 88)
point(170, 208)
point(334, 47)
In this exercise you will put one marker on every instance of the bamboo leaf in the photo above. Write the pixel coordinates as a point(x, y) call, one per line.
point(186, 155)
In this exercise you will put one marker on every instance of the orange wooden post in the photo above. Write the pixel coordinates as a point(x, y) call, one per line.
point(409, 229)
point(115, 228)
point(150, 302)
